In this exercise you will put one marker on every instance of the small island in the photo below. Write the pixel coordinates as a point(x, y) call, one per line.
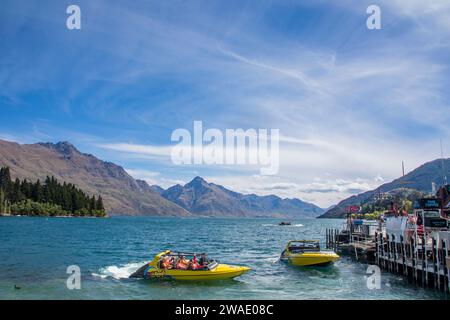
point(51, 198)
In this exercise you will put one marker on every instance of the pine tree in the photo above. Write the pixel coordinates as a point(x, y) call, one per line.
point(67, 200)
point(51, 198)
point(2, 201)
point(92, 204)
point(25, 188)
point(5, 181)
point(99, 205)
point(47, 190)
point(76, 200)
point(37, 193)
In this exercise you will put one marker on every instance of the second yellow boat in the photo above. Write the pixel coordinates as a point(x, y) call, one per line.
point(307, 253)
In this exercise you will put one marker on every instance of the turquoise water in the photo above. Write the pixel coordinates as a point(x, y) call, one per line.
point(35, 252)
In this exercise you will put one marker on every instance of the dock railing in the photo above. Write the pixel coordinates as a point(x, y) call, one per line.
point(423, 261)
point(424, 264)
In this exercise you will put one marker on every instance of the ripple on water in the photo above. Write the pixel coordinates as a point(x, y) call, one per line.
point(108, 251)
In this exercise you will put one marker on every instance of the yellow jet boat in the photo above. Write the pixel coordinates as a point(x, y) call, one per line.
point(207, 269)
point(307, 253)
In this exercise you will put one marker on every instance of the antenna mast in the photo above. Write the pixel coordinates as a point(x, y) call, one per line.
point(403, 168)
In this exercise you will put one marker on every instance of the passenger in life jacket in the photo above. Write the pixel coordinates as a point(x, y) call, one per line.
point(182, 263)
point(166, 263)
point(194, 264)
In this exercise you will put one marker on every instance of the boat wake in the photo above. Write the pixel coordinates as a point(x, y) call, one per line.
point(277, 225)
point(272, 259)
point(121, 272)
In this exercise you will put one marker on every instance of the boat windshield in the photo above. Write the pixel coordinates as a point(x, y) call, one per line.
point(302, 246)
point(185, 254)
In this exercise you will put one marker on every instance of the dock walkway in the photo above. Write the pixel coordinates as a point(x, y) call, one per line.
point(427, 265)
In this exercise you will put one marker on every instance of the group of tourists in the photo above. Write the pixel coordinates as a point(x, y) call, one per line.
point(181, 263)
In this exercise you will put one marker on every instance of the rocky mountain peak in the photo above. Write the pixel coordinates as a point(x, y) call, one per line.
point(197, 182)
point(63, 147)
point(209, 199)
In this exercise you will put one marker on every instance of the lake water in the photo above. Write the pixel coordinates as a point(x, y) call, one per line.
point(35, 254)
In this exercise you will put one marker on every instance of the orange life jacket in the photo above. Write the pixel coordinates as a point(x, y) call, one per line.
point(166, 264)
point(181, 264)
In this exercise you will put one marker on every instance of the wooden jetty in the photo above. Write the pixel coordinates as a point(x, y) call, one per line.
point(355, 240)
point(415, 246)
point(427, 265)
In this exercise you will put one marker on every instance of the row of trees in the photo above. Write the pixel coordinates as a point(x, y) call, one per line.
point(401, 200)
point(48, 198)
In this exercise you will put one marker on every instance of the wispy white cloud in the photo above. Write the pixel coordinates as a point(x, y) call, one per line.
point(351, 104)
point(151, 177)
point(320, 191)
point(154, 178)
point(138, 149)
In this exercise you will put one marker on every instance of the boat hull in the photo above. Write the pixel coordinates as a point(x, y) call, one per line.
point(311, 259)
point(221, 272)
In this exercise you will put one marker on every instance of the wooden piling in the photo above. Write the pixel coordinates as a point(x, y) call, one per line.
point(414, 255)
point(425, 266)
point(394, 253)
point(377, 249)
point(403, 255)
point(423, 262)
point(336, 235)
point(446, 260)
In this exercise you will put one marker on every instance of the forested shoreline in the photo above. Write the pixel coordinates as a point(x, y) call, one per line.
point(50, 198)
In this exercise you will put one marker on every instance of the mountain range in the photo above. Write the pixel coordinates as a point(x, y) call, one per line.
point(419, 179)
point(123, 194)
point(203, 198)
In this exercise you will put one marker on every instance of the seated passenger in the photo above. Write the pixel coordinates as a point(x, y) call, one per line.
point(166, 263)
point(194, 264)
point(182, 263)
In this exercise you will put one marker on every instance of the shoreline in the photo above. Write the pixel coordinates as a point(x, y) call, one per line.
point(42, 216)
point(170, 216)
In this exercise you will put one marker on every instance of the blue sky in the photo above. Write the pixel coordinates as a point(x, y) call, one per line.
point(350, 103)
